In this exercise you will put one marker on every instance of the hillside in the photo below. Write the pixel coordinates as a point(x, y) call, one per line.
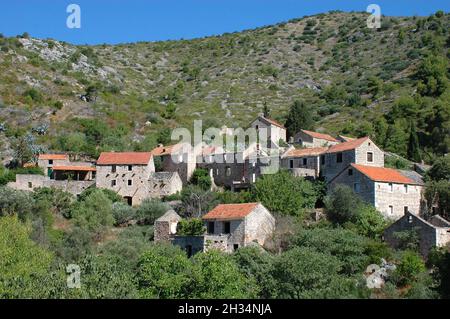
point(352, 77)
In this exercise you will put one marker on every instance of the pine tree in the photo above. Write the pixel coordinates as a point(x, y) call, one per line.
point(266, 110)
point(413, 151)
point(299, 117)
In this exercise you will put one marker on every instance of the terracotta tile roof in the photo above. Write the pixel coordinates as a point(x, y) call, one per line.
point(346, 146)
point(53, 157)
point(230, 211)
point(124, 158)
point(321, 136)
point(315, 151)
point(382, 174)
point(74, 168)
point(162, 150)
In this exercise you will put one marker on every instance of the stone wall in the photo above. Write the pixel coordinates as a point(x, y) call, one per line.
point(237, 232)
point(398, 198)
point(138, 175)
point(162, 184)
point(365, 187)
point(190, 244)
point(259, 226)
point(357, 156)
point(29, 182)
point(306, 140)
point(427, 232)
point(312, 167)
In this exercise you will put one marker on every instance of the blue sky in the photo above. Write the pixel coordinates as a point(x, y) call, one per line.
point(117, 21)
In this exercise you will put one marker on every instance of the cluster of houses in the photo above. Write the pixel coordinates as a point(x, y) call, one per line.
point(357, 163)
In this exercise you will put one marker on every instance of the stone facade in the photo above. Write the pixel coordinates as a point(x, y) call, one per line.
point(129, 181)
point(306, 140)
point(338, 157)
point(162, 184)
point(390, 198)
point(275, 131)
point(432, 233)
point(166, 226)
point(257, 226)
point(29, 182)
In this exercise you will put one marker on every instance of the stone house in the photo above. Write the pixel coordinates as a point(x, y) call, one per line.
point(236, 171)
point(47, 161)
point(314, 139)
point(176, 158)
point(303, 162)
point(132, 175)
point(432, 233)
point(162, 184)
point(359, 151)
point(275, 130)
point(59, 172)
point(166, 226)
point(230, 226)
point(389, 190)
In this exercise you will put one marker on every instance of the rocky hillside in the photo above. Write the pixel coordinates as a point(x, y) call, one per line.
point(91, 98)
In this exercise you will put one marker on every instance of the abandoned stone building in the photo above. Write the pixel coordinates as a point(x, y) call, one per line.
point(303, 162)
point(59, 172)
point(237, 171)
point(389, 190)
point(306, 138)
point(166, 226)
point(275, 130)
point(228, 227)
point(132, 176)
point(176, 158)
point(432, 233)
point(359, 151)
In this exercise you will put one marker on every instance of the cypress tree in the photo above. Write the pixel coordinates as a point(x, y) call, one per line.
point(299, 117)
point(413, 151)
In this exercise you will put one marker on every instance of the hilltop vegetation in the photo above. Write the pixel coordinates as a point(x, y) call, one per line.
point(355, 80)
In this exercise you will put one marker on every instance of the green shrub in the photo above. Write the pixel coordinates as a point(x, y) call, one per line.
point(150, 210)
point(191, 227)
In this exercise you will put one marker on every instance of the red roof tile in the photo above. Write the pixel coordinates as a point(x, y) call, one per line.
point(346, 146)
point(124, 158)
point(162, 150)
point(73, 168)
point(53, 157)
point(321, 136)
point(230, 211)
point(315, 151)
point(382, 174)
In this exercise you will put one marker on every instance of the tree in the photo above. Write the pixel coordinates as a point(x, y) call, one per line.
point(23, 152)
point(149, 210)
point(284, 193)
point(216, 276)
point(299, 117)
point(349, 248)
point(191, 227)
point(369, 222)
point(440, 169)
point(201, 178)
point(14, 202)
point(432, 76)
point(413, 150)
point(94, 213)
point(440, 260)
point(305, 273)
point(410, 267)
point(163, 272)
point(342, 205)
point(266, 110)
point(257, 264)
point(20, 258)
point(196, 201)
point(122, 213)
